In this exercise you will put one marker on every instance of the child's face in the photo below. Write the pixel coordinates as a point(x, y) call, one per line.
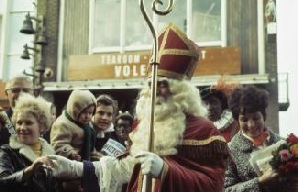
point(103, 116)
point(27, 128)
point(123, 128)
point(86, 115)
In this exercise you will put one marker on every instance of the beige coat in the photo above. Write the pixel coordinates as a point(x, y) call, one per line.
point(65, 135)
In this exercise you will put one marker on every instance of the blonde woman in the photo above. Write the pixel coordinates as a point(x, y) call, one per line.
point(21, 159)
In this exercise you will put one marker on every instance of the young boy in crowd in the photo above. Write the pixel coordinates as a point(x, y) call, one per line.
point(105, 113)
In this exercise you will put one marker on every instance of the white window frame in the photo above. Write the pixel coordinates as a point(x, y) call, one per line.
point(261, 38)
point(93, 49)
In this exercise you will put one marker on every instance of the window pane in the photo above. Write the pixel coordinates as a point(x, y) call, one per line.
point(206, 20)
point(176, 16)
point(107, 23)
point(137, 31)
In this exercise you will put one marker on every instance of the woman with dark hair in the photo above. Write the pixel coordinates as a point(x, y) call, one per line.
point(248, 106)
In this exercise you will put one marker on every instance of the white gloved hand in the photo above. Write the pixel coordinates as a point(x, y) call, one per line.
point(151, 163)
point(66, 168)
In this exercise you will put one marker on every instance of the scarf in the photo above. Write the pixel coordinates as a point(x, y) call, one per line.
point(259, 140)
point(89, 137)
point(36, 148)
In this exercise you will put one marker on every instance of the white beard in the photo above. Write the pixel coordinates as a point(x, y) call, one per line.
point(169, 126)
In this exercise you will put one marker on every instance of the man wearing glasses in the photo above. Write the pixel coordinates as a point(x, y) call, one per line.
point(13, 89)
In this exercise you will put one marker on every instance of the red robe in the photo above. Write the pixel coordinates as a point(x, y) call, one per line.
point(230, 131)
point(198, 166)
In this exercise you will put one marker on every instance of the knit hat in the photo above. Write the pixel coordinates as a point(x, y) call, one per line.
point(125, 115)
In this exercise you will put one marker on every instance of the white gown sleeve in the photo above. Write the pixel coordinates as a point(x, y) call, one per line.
point(113, 173)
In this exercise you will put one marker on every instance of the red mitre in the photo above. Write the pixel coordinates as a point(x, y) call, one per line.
point(177, 55)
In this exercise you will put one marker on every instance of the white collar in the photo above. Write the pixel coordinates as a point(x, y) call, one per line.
point(101, 134)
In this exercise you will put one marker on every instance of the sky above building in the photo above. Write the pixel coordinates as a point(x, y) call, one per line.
point(287, 41)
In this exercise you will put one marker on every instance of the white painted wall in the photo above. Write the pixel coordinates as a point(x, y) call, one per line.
point(1, 6)
point(287, 59)
point(12, 40)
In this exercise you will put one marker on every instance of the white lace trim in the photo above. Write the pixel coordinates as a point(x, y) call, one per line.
point(225, 120)
point(113, 173)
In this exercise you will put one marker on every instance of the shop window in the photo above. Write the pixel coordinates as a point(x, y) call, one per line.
point(107, 22)
point(206, 22)
point(118, 25)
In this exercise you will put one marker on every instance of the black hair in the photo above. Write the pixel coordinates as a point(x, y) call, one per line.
point(107, 100)
point(249, 99)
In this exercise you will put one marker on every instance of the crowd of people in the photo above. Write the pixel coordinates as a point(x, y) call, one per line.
point(202, 141)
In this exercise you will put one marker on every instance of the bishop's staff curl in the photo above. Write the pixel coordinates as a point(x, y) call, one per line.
point(154, 65)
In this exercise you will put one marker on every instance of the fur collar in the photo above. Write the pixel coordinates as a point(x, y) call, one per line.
point(25, 150)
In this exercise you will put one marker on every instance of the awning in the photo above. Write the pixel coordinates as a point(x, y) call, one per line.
point(139, 83)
